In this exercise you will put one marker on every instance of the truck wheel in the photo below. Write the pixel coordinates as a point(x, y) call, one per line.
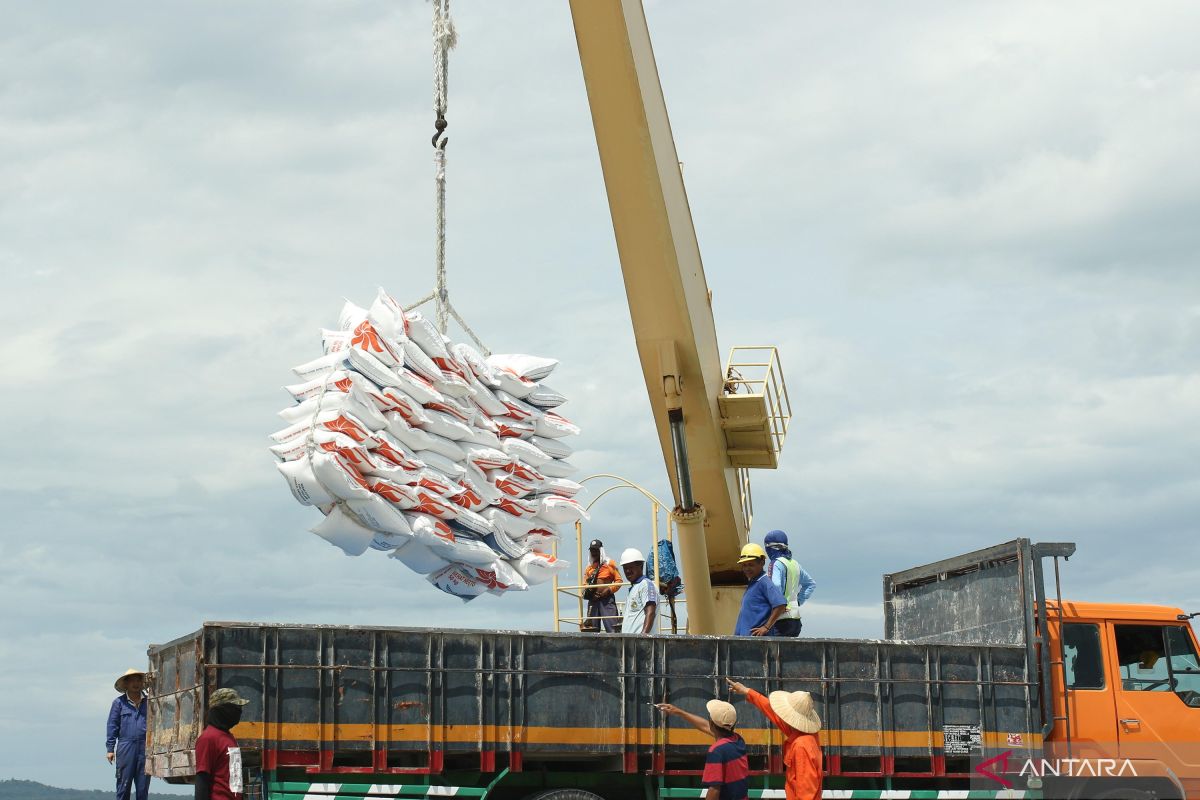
point(565, 794)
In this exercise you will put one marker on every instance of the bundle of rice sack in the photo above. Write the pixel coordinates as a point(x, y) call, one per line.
point(451, 463)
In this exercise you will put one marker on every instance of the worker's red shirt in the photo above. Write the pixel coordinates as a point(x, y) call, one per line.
point(801, 754)
point(218, 754)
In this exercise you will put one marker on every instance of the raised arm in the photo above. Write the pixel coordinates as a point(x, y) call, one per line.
point(699, 723)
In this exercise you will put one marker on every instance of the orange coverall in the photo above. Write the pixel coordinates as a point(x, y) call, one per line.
point(801, 754)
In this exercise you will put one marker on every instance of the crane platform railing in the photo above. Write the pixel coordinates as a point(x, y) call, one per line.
point(755, 407)
point(570, 607)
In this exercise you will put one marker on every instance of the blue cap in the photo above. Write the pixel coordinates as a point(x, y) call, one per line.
point(777, 539)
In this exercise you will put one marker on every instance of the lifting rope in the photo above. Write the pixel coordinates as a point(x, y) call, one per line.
point(444, 39)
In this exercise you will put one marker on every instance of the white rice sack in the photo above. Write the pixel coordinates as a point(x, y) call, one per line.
point(304, 484)
point(433, 533)
point(436, 505)
point(418, 557)
point(413, 438)
point(486, 490)
point(365, 337)
point(449, 467)
point(538, 568)
point(339, 379)
point(406, 405)
point(544, 397)
point(534, 368)
point(473, 522)
point(345, 532)
point(515, 528)
point(538, 541)
point(460, 581)
point(453, 385)
point(396, 452)
point(352, 402)
point(559, 510)
point(340, 478)
point(515, 408)
point(507, 579)
point(416, 360)
point(444, 424)
point(505, 546)
point(400, 495)
point(553, 426)
point(469, 550)
point(486, 458)
point(418, 388)
point(446, 448)
point(518, 507)
point(558, 468)
point(471, 498)
point(438, 483)
point(509, 428)
point(350, 316)
point(528, 452)
point(426, 335)
point(333, 421)
point(387, 542)
point(555, 448)
point(380, 515)
point(510, 484)
point(387, 315)
point(525, 472)
point(475, 362)
point(486, 399)
point(355, 455)
point(561, 486)
point(461, 410)
point(483, 438)
point(514, 384)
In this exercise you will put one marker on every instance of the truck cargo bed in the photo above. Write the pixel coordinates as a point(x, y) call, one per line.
point(331, 700)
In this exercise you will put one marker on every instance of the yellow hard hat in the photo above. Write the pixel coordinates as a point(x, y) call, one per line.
point(751, 552)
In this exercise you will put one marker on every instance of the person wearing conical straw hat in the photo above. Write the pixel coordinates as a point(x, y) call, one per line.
point(126, 744)
point(794, 715)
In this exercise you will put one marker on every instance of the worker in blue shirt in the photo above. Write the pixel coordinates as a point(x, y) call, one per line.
point(763, 603)
point(791, 578)
point(126, 743)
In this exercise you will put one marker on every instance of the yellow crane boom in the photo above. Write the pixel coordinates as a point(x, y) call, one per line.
point(670, 306)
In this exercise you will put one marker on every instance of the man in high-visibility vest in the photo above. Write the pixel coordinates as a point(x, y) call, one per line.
point(793, 581)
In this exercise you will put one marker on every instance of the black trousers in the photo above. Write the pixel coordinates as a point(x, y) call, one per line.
point(787, 627)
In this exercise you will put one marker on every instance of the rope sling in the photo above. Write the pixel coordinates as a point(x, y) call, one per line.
point(444, 39)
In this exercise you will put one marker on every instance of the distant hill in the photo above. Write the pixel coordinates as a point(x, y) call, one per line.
point(32, 790)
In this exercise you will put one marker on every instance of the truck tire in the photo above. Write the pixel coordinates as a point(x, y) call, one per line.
point(565, 794)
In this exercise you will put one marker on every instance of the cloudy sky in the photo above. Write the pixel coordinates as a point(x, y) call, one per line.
point(970, 228)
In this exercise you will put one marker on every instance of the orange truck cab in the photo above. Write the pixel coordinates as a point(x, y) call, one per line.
point(1125, 689)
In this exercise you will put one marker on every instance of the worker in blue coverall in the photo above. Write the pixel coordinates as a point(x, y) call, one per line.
point(127, 735)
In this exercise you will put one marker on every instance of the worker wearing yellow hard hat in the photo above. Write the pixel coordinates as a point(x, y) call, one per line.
point(763, 603)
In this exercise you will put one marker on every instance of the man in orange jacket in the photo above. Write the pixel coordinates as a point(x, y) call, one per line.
point(792, 713)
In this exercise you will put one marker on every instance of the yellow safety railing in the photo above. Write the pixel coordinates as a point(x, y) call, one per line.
point(756, 370)
point(568, 597)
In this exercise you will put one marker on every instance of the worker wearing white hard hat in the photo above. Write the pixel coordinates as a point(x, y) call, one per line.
point(641, 604)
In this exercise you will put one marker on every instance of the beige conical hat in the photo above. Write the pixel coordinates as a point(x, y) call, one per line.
point(119, 685)
point(796, 709)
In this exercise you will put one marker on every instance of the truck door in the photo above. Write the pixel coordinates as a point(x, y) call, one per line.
point(1158, 695)
point(1093, 732)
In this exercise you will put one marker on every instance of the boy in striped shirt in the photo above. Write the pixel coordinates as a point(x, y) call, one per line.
point(726, 768)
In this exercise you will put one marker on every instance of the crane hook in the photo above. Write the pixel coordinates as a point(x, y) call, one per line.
point(441, 124)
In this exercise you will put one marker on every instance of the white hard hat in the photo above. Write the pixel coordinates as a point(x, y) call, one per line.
point(631, 555)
